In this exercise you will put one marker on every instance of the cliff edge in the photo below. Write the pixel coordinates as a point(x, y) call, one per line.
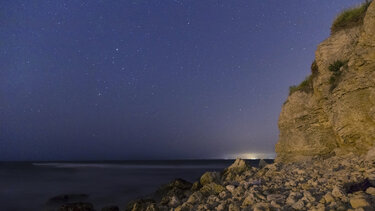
point(333, 111)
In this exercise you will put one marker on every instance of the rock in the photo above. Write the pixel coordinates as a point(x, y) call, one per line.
point(195, 197)
point(261, 207)
point(371, 191)
point(152, 207)
point(298, 205)
point(196, 186)
point(276, 197)
point(211, 189)
point(210, 177)
point(308, 197)
point(249, 200)
point(178, 187)
point(334, 114)
point(111, 208)
point(337, 192)
point(174, 202)
point(78, 206)
point(233, 207)
point(220, 207)
point(230, 188)
point(224, 195)
point(184, 207)
point(328, 198)
point(236, 169)
point(357, 202)
point(292, 198)
point(370, 156)
point(139, 205)
point(262, 163)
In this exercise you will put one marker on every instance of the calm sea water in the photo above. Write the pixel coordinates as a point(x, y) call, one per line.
point(28, 185)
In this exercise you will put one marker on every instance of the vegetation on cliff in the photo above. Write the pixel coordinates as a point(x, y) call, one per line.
point(336, 69)
point(307, 84)
point(350, 18)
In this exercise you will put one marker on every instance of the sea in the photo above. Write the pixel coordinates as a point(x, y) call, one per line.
point(30, 185)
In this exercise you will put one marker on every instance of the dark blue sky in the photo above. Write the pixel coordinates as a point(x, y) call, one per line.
point(151, 79)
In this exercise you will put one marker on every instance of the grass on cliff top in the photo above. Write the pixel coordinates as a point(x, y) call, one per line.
point(350, 17)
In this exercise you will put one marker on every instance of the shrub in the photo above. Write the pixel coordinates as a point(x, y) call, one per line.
point(350, 18)
point(335, 68)
point(304, 86)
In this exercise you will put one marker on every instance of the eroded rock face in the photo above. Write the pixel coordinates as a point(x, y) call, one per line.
point(334, 120)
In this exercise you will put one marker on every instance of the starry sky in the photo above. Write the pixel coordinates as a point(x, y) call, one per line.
point(156, 79)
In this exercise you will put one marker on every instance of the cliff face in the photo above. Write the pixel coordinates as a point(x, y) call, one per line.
point(338, 114)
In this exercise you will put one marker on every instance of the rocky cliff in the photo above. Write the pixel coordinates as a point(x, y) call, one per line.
point(333, 111)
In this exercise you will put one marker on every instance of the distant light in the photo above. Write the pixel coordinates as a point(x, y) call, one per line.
point(252, 156)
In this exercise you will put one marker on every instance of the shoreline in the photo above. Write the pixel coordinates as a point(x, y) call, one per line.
point(336, 183)
point(345, 182)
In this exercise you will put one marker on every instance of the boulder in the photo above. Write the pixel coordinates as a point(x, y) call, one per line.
point(139, 204)
point(211, 189)
point(238, 168)
point(262, 163)
point(358, 202)
point(178, 187)
point(209, 177)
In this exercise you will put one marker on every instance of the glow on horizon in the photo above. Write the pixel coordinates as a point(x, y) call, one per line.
point(251, 156)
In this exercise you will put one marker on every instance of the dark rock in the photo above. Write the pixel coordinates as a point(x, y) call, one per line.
point(139, 205)
point(178, 187)
point(237, 168)
point(262, 163)
point(210, 177)
point(358, 186)
point(196, 186)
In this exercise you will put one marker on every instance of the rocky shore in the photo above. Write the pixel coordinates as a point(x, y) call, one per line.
point(336, 183)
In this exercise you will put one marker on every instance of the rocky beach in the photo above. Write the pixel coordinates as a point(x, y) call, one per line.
point(325, 154)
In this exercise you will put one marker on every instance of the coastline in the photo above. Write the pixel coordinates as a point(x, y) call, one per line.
point(335, 183)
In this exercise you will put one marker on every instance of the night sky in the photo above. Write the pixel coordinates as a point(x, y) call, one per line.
point(157, 79)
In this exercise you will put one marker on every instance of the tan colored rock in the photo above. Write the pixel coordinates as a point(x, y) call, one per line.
point(249, 201)
point(342, 117)
point(328, 198)
point(230, 188)
point(212, 189)
point(173, 202)
point(195, 197)
point(337, 192)
point(233, 207)
point(371, 191)
point(261, 207)
point(298, 205)
point(357, 202)
point(209, 177)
